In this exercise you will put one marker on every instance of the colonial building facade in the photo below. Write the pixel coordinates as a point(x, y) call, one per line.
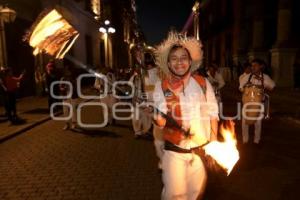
point(236, 31)
point(95, 48)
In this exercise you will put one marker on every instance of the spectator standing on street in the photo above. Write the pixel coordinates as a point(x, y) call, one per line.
point(3, 91)
point(11, 85)
point(51, 76)
point(71, 90)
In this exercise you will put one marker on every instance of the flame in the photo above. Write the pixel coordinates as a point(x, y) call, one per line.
point(225, 153)
point(53, 34)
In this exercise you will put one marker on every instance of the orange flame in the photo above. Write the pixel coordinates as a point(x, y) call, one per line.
point(53, 34)
point(225, 153)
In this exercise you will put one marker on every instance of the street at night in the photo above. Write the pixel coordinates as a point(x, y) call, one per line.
point(47, 162)
point(148, 99)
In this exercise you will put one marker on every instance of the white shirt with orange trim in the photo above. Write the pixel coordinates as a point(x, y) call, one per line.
point(197, 109)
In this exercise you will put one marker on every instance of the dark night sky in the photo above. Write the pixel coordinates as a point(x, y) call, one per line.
point(157, 16)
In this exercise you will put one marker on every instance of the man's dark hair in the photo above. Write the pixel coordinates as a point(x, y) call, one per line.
point(259, 61)
point(149, 59)
point(246, 64)
point(178, 46)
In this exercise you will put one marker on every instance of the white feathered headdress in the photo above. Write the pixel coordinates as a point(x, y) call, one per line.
point(174, 38)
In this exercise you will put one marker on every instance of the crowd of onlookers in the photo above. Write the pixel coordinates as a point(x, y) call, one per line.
point(11, 82)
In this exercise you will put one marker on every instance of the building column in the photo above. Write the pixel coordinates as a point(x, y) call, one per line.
point(207, 53)
point(258, 48)
point(110, 52)
point(283, 60)
point(214, 49)
point(239, 55)
point(96, 56)
point(130, 64)
point(3, 57)
point(282, 55)
point(106, 49)
point(222, 50)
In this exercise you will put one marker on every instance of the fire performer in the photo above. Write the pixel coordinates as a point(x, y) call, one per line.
point(190, 100)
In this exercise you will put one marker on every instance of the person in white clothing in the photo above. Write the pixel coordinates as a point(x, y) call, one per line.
point(189, 99)
point(258, 78)
point(144, 80)
point(109, 100)
point(216, 79)
point(152, 76)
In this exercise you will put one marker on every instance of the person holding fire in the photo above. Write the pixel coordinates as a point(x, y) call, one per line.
point(189, 99)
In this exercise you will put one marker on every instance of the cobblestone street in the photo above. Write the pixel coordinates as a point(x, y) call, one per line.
point(48, 163)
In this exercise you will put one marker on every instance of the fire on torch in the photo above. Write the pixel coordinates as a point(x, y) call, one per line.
point(52, 34)
point(224, 153)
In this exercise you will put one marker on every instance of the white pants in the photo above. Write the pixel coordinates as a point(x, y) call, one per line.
point(109, 100)
point(66, 110)
point(184, 176)
point(158, 143)
point(141, 121)
point(257, 131)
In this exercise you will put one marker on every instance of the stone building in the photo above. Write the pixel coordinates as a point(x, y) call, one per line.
point(92, 47)
point(234, 31)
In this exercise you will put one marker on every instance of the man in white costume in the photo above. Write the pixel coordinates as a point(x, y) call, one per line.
point(216, 80)
point(152, 76)
point(143, 79)
point(258, 78)
point(189, 99)
point(109, 100)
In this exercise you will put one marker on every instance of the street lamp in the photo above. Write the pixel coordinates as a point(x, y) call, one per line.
point(107, 29)
point(6, 15)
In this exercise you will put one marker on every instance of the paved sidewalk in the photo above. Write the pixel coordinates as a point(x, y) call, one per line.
point(34, 110)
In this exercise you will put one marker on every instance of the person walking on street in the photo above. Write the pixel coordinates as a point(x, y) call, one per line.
point(69, 103)
point(108, 99)
point(189, 99)
point(254, 85)
point(52, 76)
